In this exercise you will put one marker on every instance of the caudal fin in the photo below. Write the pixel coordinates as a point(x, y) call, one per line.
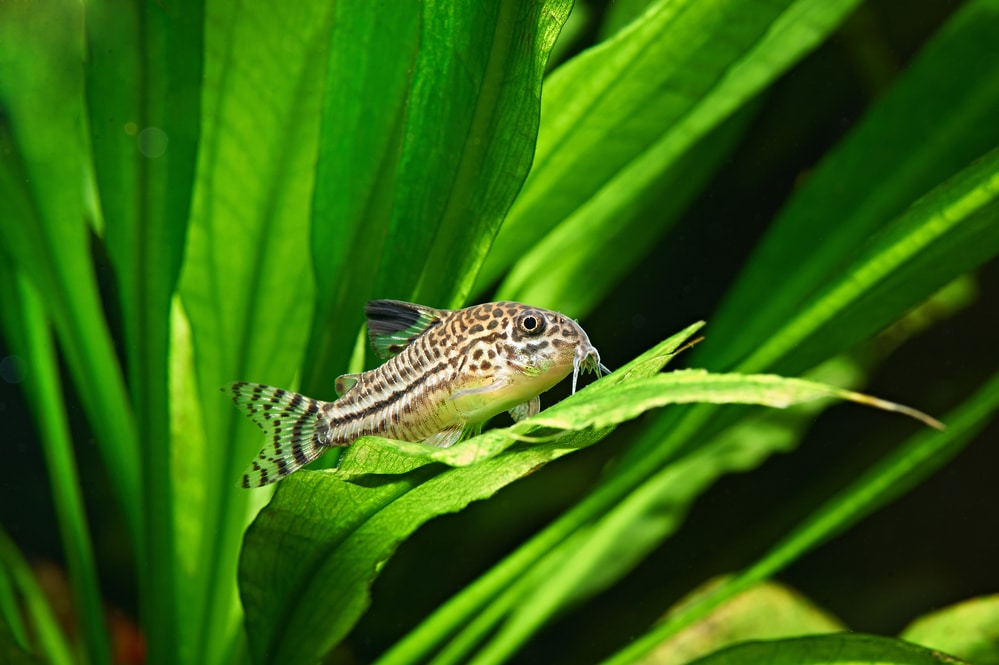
point(292, 424)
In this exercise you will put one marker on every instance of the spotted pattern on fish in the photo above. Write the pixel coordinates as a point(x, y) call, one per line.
point(446, 373)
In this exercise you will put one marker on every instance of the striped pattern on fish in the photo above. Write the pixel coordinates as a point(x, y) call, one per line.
point(446, 373)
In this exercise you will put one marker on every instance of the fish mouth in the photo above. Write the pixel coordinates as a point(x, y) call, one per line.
point(587, 359)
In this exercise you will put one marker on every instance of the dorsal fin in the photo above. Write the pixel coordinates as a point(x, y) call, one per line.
point(393, 324)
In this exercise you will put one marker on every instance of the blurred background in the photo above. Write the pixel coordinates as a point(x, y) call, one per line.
point(937, 545)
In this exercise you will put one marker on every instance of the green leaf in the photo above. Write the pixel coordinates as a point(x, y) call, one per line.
point(893, 157)
point(32, 339)
point(144, 74)
point(312, 553)
point(891, 477)
point(618, 125)
point(39, 615)
point(299, 571)
point(43, 173)
point(968, 630)
point(840, 649)
point(428, 131)
point(11, 651)
point(246, 286)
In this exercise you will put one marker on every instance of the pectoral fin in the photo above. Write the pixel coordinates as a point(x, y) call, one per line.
point(526, 409)
point(484, 389)
point(345, 382)
point(445, 438)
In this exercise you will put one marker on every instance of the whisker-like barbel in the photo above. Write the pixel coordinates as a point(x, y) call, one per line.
point(446, 373)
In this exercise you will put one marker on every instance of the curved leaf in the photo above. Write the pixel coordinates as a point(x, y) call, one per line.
point(313, 552)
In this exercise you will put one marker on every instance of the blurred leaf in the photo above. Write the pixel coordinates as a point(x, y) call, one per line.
point(39, 615)
point(893, 157)
point(31, 337)
point(246, 284)
point(428, 132)
point(144, 74)
point(11, 651)
point(766, 611)
point(841, 649)
point(617, 123)
point(43, 173)
point(968, 630)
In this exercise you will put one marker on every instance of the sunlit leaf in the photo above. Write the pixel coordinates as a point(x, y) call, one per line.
point(968, 630)
point(428, 133)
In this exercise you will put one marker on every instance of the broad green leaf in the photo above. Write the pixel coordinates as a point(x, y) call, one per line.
point(246, 283)
point(43, 228)
point(617, 122)
point(766, 611)
point(968, 630)
point(311, 555)
point(839, 649)
point(428, 129)
point(893, 157)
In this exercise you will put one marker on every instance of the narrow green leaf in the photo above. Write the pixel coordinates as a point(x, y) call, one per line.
point(39, 615)
point(968, 630)
point(899, 267)
point(143, 92)
point(419, 164)
point(605, 550)
point(839, 649)
point(43, 229)
point(901, 470)
point(11, 650)
point(31, 337)
point(618, 119)
point(893, 157)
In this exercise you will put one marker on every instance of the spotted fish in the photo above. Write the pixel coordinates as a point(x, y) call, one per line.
point(447, 372)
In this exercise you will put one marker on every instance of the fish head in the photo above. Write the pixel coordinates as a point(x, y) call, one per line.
point(514, 352)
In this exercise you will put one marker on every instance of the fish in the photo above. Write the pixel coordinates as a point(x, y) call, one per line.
point(446, 373)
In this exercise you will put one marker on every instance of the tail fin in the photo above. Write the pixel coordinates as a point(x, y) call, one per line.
point(292, 423)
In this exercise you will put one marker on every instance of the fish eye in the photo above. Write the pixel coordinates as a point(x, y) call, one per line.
point(531, 323)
